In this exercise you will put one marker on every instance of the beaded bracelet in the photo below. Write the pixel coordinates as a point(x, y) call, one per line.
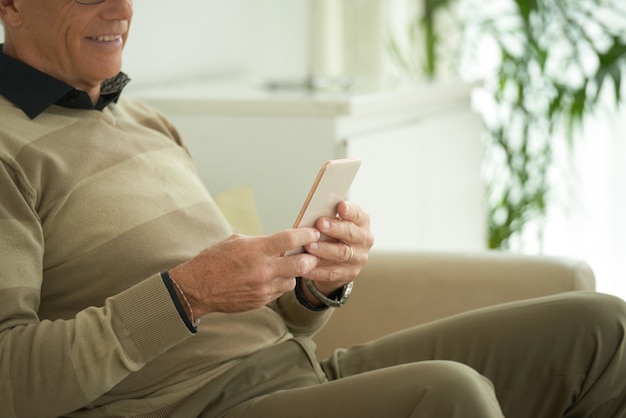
point(194, 321)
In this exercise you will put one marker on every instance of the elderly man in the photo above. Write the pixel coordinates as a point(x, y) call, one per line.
point(112, 252)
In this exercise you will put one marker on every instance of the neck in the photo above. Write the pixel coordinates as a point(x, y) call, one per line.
point(94, 95)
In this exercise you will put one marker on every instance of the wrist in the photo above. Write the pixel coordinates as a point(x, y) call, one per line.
point(180, 301)
point(334, 299)
point(185, 279)
point(307, 299)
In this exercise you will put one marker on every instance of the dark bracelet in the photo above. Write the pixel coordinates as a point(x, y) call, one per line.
point(170, 286)
point(336, 300)
point(304, 301)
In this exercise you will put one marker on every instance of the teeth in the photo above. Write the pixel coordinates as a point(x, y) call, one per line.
point(107, 38)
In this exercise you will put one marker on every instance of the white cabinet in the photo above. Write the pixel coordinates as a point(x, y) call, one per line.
point(420, 178)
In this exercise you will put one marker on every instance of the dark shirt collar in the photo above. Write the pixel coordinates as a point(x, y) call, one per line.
point(34, 91)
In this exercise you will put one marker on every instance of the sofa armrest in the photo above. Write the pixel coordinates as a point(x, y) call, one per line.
point(400, 289)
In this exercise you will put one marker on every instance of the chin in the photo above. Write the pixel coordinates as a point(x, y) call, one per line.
point(104, 73)
point(102, 65)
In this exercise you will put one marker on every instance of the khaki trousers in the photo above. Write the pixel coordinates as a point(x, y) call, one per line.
point(558, 356)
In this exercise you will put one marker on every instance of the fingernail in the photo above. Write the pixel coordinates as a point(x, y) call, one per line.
point(313, 246)
point(325, 224)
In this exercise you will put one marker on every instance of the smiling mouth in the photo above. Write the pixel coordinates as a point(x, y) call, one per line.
point(106, 38)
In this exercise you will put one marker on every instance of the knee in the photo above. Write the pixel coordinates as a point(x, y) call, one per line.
point(454, 387)
point(453, 377)
point(598, 311)
point(595, 318)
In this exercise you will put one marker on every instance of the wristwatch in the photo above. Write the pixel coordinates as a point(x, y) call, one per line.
point(335, 300)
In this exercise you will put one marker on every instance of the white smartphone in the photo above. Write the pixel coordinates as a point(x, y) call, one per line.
point(330, 187)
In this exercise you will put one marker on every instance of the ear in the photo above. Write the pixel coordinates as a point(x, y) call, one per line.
point(10, 12)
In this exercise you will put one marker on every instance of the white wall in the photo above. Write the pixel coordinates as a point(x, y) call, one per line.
point(588, 222)
point(262, 39)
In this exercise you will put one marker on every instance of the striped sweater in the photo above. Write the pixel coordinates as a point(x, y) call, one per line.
point(93, 206)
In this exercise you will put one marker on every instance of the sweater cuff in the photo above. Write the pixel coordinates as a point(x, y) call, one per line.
point(150, 317)
point(300, 319)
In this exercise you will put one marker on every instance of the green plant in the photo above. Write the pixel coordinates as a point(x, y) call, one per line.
point(554, 62)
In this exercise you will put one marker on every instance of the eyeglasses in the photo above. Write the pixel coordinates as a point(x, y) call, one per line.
point(89, 1)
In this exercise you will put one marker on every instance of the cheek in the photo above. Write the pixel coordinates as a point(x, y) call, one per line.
point(70, 29)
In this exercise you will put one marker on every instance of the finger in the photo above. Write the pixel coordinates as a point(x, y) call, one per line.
point(290, 239)
point(342, 230)
point(333, 275)
point(350, 212)
point(339, 252)
point(296, 265)
point(352, 227)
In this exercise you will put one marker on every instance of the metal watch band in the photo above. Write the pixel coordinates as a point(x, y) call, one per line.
point(331, 302)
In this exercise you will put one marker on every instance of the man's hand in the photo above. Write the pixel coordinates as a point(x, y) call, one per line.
point(243, 273)
point(344, 257)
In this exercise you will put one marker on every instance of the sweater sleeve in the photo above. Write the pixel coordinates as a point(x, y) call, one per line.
point(300, 320)
point(50, 368)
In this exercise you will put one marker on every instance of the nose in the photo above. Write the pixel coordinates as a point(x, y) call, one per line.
point(117, 9)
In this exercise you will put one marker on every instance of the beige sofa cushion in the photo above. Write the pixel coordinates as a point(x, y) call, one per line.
point(404, 288)
point(239, 207)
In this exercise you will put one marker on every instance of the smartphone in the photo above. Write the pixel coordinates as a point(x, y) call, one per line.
point(329, 189)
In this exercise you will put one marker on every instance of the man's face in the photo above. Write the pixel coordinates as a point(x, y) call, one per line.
point(79, 44)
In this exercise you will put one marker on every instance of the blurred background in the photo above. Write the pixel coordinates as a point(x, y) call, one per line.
point(481, 123)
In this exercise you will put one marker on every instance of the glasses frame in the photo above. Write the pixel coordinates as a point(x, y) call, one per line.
point(89, 2)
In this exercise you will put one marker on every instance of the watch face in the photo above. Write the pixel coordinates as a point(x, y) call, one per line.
point(347, 289)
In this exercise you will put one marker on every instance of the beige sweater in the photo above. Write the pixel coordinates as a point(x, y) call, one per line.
point(93, 206)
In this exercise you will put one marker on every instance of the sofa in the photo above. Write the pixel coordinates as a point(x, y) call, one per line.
point(398, 289)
